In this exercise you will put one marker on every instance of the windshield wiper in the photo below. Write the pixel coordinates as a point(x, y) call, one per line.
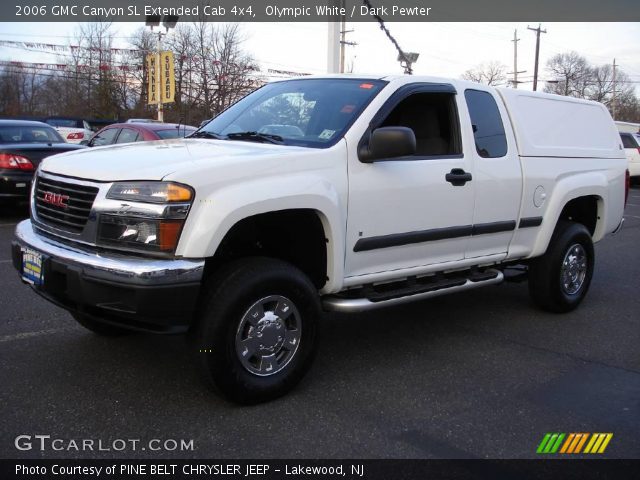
point(205, 134)
point(255, 136)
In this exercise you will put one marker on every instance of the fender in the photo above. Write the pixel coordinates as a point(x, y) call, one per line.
point(571, 186)
point(222, 209)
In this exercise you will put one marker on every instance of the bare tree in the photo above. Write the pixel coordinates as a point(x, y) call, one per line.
point(492, 73)
point(95, 80)
point(224, 72)
point(570, 72)
point(142, 43)
point(182, 42)
point(574, 76)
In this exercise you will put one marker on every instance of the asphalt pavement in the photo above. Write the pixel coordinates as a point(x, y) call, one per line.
point(480, 374)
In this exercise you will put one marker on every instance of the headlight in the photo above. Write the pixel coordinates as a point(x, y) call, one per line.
point(150, 192)
point(151, 222)
point(153, 235)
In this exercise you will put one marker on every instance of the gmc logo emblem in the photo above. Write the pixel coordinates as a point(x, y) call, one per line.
point(56, 199)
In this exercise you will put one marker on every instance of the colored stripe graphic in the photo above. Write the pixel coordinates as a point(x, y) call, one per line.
point(598, 442)
point(555, 447)
point(567, 443)
point(593, 439)
point(581, 443)
point(550, 443)
point(543, 443)
point(573, 443)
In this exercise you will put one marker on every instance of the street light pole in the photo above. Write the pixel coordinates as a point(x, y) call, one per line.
point(158, 72)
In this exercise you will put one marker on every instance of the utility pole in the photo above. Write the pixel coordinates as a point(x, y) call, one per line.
point(613, 100)
point(515, 60)
point(343, 37)
point(535, 68)
point(333, 48)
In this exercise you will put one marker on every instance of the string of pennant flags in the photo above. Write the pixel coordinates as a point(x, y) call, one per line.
point(106, 65)
point(69, 68)
point(83, 67)
point(53, 47)
point(62, 67)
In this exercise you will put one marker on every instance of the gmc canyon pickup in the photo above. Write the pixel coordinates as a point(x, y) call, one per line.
point(339, 193)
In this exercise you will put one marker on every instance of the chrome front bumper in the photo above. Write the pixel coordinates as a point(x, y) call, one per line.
point(156, 295)
point(113, 267)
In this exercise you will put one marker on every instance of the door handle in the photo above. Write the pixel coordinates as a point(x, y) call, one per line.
point(458, 177)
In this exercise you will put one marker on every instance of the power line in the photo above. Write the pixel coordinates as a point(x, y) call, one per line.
point(383, 27)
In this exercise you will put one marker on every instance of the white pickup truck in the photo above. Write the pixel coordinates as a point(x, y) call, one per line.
point(338, 193)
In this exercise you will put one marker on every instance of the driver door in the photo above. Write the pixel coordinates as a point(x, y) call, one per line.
point(403, 212)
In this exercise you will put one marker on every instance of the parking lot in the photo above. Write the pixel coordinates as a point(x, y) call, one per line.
point(481, 374)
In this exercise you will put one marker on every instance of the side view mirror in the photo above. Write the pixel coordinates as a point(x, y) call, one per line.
point(388, 143)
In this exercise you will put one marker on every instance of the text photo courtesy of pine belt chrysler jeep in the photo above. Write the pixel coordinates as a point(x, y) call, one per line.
point(334, 193)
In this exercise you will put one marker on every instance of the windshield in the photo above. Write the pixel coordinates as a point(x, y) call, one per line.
point(28, 134)
point(311, 113)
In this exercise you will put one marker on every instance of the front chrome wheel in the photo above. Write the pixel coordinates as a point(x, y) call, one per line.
point(574, 269)
point(268, 336)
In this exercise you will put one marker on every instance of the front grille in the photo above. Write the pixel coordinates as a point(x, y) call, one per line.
point(74, 215)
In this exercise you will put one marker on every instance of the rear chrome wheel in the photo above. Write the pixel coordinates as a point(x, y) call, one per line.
point(560, 279)
point(574, 269)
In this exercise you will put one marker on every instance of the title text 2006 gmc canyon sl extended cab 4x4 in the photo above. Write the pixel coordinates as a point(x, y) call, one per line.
point(342, 193)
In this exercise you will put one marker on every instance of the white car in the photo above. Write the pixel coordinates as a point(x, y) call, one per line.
point(631, 143)
point(73, 130)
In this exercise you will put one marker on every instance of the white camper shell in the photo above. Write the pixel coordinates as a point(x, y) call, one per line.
point(548, 125)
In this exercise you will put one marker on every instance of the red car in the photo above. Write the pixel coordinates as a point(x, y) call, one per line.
point(139, 132)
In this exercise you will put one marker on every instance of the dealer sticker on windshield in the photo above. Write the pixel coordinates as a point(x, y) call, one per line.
point(32, 271)
point(326, 134)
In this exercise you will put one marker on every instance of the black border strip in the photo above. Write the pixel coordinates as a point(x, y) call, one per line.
point(544, 466)
point(494, 227)
point(398, 239)
point(420, 236)
point(530, 222)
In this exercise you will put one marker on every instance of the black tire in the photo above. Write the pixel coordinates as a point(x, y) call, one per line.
point(546, 285)
point(99, 328)
point(225, 306)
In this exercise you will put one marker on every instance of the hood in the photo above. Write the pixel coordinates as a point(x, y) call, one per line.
point(155, 160)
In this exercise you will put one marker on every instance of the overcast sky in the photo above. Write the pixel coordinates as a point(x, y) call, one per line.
point(446, 49)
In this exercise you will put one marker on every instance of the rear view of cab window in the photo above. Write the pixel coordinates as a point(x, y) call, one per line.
point(488, 130)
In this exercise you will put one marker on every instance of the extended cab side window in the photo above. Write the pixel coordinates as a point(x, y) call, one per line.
point(488, 130)
point(433, 117)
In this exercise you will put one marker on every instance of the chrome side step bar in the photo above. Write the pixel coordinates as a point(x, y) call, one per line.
point(335, 303)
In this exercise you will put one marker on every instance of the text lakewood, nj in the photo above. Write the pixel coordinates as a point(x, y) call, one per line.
point(244, 11)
